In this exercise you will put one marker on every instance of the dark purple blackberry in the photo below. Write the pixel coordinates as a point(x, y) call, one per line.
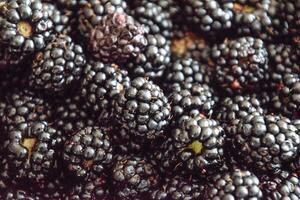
point(58, 66)
point(142, 109)
point(252, 17)
point(31, 151)
point(88, 152)
point(72, 116)
point(154, 17)
point(182, 73)
point(175, 188)
point(283, 59)
point(285, 98)
point(153, 60)
point(102, 83)
point(199, 99)
point(92, 189)
point(285, 185)
point(25, 26)
point(116, 38)
point(233, 109)
point(17, 194)
point(266, 142)
point(237, 184)
point(195, 147)
point(93, 11)
point(61, 18)
point(25, 107)
point(209, 15)
point(133, 178)
point(241, 64)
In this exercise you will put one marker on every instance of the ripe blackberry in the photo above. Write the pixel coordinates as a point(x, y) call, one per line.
point(176, 188)
point(133, 178)
point(266, 142)
point(142, 109)
point(31, 151)
point(209, 16)
point(233, 109)
point(102, 83)
point(93, 11)
point(286, 98)
point(283, 59)
point(195, 147)
point(17, 194)
point(25, 107)
point(10, 59)
point(25, 26)
point(58, 66)
point(181, 73)
point(92, 189)
point(199, 99)
point(88, 152)
point(282, 186)
point(61, 18)
point(241, 64)
point(152, 15)
point(252, 17)
point(153, 60)
point(116, 38)
point(237, 184)
point(72, 116)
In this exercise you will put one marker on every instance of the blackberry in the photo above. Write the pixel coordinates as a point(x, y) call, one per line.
point(238, 184)
point(88, 152)
point(286, 98)
point(58, 66)
point(153, 60)
point(266, 142)
point(10, 59)
point(93, 189)
point(116, 38)
point(25, 26)
point(178, 188)
point(142, 109)
point(17, 194)
point(93, 11)
point(101, 84)
point(252, 17)
point(241, 64)
point(209, 16)
point(25, 107)
point(187, 71)
point(31, 151)
point(283, 59)
point(282, 186)
point(61, 18)
point(233, 109)
point(199, 99)
point(72, 116)
point(133, 178)
point(152, 15)
point(195, 147)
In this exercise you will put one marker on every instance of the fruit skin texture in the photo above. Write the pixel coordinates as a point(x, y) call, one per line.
point(58, 66)
point(31, 151)
point(87, 153)
point(91, 13)
point(25, 26)
point(241, 64)
point(133, 178)
point(195, 148)
point(142, 109)
point(238, 184)
point(153, 60)
point(101, 83)
point(116, 38)
point(176, 188)
point(266, 142)
point(285, 185)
